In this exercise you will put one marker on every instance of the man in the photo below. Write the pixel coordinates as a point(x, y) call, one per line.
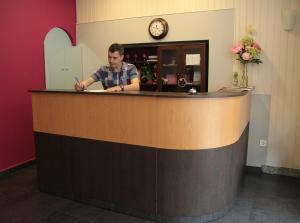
point(118, 76)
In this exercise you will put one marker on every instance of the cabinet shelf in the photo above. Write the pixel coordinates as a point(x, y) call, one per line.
point(136, 61)
point(141, 61)
point(149, 83)
point(169, 65)
point(169, 84)
point(194, 65)
point(192, 84)
point(187, 84)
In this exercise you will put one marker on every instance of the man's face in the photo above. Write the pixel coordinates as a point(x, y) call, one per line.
point(115, 59)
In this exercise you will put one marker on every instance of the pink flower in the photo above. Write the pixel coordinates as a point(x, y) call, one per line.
point(257, 46)
point(246, 56)
point(247, 51)
point(237, 48)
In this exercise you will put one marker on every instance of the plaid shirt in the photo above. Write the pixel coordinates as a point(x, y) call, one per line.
point(110, 78)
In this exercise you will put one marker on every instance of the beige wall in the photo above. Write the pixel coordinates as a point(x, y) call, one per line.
point(278, 76)
point(102, 10)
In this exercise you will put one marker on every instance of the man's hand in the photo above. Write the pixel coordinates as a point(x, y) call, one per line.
point(114, 89)
point(79, 86)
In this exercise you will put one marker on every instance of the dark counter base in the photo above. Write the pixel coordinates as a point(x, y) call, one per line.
point(157, 184)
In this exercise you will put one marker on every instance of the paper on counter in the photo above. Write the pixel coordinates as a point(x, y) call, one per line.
point(96, 90)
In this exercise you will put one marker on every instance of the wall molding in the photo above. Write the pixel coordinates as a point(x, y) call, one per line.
point(280, 171)
point(17, 168)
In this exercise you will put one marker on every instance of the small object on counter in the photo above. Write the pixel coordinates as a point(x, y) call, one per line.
point(192, 91)
point(172, 78)
point(235, 79)
point(164, 80)
point(181, 81)
point(154, 77)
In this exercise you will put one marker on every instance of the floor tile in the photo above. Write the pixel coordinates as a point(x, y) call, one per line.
point(262, 198)
point(83, 211)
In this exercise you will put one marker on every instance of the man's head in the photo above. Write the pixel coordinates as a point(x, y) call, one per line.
point(115, 55)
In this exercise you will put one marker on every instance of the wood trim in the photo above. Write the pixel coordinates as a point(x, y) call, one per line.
point(168, 123)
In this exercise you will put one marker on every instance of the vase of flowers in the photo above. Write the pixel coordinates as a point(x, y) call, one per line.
point(247, 51)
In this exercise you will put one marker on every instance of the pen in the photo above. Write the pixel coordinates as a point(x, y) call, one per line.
point(77, 80)
point(78, 83)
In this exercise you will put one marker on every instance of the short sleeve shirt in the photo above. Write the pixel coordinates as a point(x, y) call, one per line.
point(110, 78)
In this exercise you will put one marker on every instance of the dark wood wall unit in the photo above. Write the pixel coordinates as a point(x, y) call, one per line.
point(164, 66)
point(159, 184)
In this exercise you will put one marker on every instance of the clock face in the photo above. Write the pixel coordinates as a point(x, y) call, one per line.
point(158, 28)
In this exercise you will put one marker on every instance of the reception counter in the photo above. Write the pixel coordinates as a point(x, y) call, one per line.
point(167, 157)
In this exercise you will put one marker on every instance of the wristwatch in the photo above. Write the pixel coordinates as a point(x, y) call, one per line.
point(122, 87)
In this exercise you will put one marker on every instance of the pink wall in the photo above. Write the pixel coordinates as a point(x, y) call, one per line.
point(23, 27)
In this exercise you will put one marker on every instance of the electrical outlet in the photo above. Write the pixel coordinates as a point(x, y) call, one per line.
point(263, 143)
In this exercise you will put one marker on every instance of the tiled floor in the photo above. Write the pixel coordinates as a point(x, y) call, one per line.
point(261, 198)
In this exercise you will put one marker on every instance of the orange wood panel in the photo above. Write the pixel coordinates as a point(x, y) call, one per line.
point(161, 122)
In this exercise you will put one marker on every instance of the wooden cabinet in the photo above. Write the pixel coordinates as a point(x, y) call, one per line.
point(172, 66)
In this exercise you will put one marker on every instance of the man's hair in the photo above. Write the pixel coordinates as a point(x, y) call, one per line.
point(116, 47)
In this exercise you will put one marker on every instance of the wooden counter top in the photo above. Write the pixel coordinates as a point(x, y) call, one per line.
point(216, 94)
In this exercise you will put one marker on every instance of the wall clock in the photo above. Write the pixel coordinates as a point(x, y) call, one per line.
point(158, 28)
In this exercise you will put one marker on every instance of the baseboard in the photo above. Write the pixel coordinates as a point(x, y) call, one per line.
point(248, 169)
point(16, 168)
point(253, 170)
point(280, 171)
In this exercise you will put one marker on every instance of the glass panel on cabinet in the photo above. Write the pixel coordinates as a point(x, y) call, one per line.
point(145, 60)
point(169, 66)
point(192, 66)
point(169, 57)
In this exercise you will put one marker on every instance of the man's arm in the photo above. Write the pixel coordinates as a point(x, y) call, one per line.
point(84, 84)
point(134, 86)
